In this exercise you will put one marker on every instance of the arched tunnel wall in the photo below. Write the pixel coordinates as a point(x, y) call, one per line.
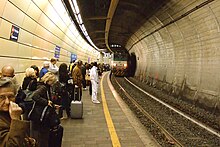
point(179, 51)
point(43, 25)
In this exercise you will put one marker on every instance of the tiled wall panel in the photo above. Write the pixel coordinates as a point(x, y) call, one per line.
point(42, 27)
point(186, 51)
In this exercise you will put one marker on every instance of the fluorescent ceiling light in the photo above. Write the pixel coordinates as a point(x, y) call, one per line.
point(83, 28)
point(71, 4)
point(78, 17)
point(76, 6)
point(85, 33)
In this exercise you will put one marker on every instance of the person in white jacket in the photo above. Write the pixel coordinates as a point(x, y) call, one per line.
point(94, 77)
point(53, 67)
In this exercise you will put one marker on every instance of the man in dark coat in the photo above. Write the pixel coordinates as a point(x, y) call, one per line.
point(83, 71)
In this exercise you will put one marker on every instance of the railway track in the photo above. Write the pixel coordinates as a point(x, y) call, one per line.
point(171, 127)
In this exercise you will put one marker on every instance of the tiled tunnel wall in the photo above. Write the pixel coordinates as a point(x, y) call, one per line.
point(178, 50)
point(43, 25)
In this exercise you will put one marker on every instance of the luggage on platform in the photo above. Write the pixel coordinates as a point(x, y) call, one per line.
point(55, 136)
point(76, 105)
point(76, 109)
point(76, 93)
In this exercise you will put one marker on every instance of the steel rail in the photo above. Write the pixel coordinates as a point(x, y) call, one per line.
point(171, 139)
point(202, 125)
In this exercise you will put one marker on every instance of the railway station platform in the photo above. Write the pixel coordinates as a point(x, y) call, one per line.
point(110, 123)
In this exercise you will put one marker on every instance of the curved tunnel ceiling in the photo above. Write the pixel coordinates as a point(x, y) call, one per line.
point(128, 17)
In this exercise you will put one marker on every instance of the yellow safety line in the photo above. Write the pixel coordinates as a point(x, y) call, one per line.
point(111, 128)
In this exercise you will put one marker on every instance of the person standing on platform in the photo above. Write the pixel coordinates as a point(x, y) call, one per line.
point(71, 67)
point(8, 72)
point(53, 67)
point(13, 130)
point(65, 93)
point(94, 77)
point(88, 82)
point(83, 70)
point(42, 98)
point(36, 69)
point(44, 69)
point(29, 85)
point(77, 77)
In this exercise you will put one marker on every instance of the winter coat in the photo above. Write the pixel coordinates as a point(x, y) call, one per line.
point(83, 70)
point(12, 132)
point(77, 76)
point(43, 71)
point(32, 82)
point(53, 68)
point(40, 95)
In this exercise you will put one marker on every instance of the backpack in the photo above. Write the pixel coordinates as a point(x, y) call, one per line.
point(28, 92)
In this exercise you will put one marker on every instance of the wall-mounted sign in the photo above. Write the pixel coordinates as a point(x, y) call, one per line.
point(14, 33)
point(89, 59)
point(57, 52)
point(73, 57)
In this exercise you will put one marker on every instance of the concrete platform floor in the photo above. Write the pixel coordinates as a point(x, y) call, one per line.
point(94, 130)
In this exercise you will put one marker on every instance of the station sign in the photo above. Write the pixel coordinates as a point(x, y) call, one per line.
point(73, 57)
point(57, 52)
point(89, 59)
point(14, 33)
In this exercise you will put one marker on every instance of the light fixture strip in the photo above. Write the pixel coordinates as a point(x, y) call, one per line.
point(80, 19)
point(75, 8)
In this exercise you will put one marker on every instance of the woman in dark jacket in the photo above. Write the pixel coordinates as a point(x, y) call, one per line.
point(42, 96)
point(30, 80)
point(23, 98)
point(36, 69)
point(64, 93)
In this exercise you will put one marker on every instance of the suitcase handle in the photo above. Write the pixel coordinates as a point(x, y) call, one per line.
point(76, 87)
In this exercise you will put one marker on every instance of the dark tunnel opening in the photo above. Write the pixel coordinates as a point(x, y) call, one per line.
point(132, 63)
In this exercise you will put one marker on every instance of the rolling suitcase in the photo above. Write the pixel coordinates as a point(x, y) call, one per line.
point(76, 105)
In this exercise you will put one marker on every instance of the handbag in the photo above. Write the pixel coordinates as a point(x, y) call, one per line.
point(44, 115)
point(28, 94)
point(39, 114)
point(87, 77)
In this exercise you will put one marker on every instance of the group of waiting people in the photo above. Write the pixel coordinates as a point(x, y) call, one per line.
point(15, 127)
point(80, 71)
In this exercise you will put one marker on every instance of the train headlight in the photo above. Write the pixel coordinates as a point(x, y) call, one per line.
point(125, 65)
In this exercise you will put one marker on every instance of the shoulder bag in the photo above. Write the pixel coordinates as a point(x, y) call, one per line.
point(44, 115)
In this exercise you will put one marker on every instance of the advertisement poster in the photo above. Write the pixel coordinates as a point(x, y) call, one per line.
point(14, 33)
point(73, 57)
point(57, 52)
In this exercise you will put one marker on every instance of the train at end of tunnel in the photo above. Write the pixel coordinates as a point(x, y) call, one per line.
point(119, 65)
